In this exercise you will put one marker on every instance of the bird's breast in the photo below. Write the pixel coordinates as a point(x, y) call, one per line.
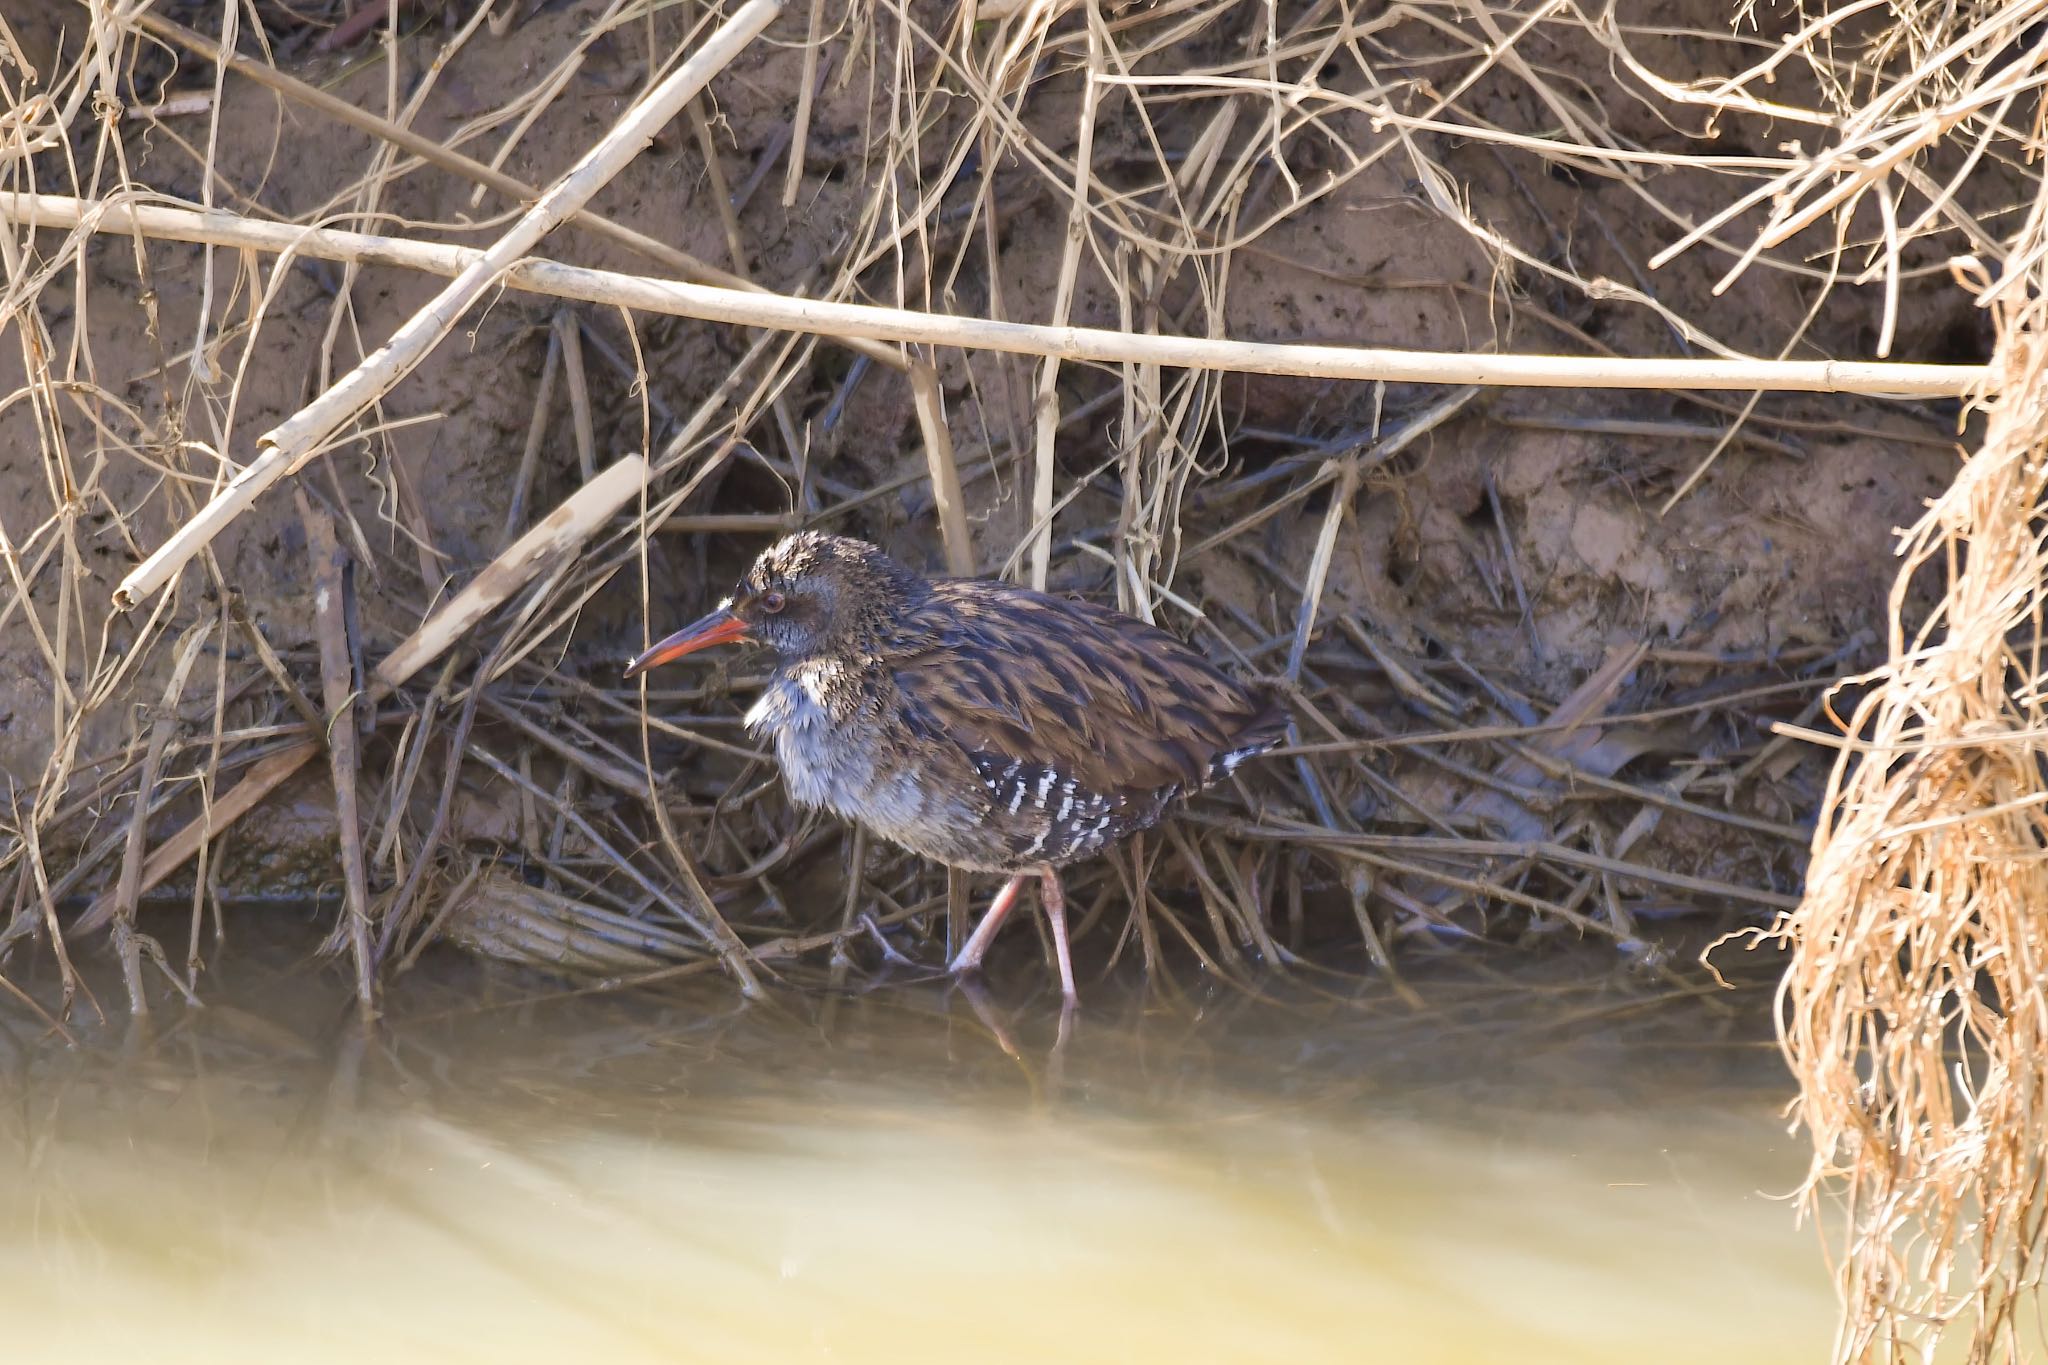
point(822, 762)
point(837, 756)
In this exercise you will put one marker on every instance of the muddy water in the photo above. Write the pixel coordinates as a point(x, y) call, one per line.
point(1565, 1171)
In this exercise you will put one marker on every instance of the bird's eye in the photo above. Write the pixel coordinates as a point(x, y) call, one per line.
point(773, 601)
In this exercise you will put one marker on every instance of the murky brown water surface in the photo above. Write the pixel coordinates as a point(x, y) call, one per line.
point(1561, 1171)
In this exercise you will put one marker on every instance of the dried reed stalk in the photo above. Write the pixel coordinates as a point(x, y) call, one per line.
point(827, 318)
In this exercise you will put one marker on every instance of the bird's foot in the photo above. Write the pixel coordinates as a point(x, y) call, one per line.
point(968, 959)
point(1054, 898)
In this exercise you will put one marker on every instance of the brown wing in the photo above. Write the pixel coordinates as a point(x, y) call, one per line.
point(1093, 694)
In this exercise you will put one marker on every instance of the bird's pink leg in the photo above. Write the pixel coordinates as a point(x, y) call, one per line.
point(970, 955)
point(1054, 898)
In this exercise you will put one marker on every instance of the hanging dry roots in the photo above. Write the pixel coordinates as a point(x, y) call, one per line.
point(1915, 1012)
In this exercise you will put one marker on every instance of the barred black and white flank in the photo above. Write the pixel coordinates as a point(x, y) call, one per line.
point(980, 724)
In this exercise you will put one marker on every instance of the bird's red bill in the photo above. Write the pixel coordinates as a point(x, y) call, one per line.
point(720, 627)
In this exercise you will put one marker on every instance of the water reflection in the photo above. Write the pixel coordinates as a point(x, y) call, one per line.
point(1568, 1172)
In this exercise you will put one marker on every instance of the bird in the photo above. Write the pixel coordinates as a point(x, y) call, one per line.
point(978, 723)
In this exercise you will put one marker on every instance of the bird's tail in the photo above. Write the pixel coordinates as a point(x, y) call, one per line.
point(1265, 730)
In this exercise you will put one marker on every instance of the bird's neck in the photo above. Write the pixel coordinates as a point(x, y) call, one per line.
point(836, 684)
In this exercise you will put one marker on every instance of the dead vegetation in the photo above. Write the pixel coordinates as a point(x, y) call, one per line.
point(1160, 303)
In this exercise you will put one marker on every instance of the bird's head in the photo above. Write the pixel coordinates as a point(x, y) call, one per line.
point(809, 595)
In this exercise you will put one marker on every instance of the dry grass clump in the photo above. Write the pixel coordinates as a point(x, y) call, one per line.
point(197, 320)
point(1915, 1010)
point(1915, 1013)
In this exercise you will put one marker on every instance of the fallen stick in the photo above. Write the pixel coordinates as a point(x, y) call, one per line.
point(783, 312)
point(303, 435)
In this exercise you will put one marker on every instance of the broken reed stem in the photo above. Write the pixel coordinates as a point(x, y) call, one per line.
point(554, 536)
point(806, 91)
point(568, 332)
point(947, 499)
point(1319, 563)
point(338, 699)
point(304, 435)
point(128, 891)
point(1046, 404)
point(825, 318)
